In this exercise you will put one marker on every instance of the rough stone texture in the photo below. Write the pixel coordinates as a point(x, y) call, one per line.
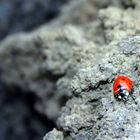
point(93, 113)
point(45, 62)
point(54, 135)
point(80, 61)
point(119, 23)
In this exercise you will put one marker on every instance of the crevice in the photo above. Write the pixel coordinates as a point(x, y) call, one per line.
point(101, 82)
point(53, 77)
point(127, 5)
point(103, 32)
point(45, 74)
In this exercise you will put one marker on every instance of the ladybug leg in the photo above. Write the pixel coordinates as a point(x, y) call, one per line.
point(125, 95)
point(134, 98)
point(125, 99)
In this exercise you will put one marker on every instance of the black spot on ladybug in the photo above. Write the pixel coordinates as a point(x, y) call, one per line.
point(119, 86)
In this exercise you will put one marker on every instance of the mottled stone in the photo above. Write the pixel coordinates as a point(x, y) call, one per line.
point(54, 135)
point(74, 65)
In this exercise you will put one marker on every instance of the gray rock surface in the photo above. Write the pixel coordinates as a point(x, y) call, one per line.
point(45, 62)
point(93, 113)
point(54, 135)
point(78, 62)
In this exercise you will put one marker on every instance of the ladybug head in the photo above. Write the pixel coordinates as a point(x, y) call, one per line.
point(123, 94)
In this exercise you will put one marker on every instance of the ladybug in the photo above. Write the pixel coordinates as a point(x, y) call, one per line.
point(123, 85)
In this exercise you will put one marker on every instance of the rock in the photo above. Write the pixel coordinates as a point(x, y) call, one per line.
point(74, 65)
point(119, 23)
point(93, 113)
point(28, 56)
point(54, 135)
point(44, 62)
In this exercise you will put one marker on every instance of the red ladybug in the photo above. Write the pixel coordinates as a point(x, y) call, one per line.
point(122, 87)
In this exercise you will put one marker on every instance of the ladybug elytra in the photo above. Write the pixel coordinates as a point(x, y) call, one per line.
point(122, 87)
